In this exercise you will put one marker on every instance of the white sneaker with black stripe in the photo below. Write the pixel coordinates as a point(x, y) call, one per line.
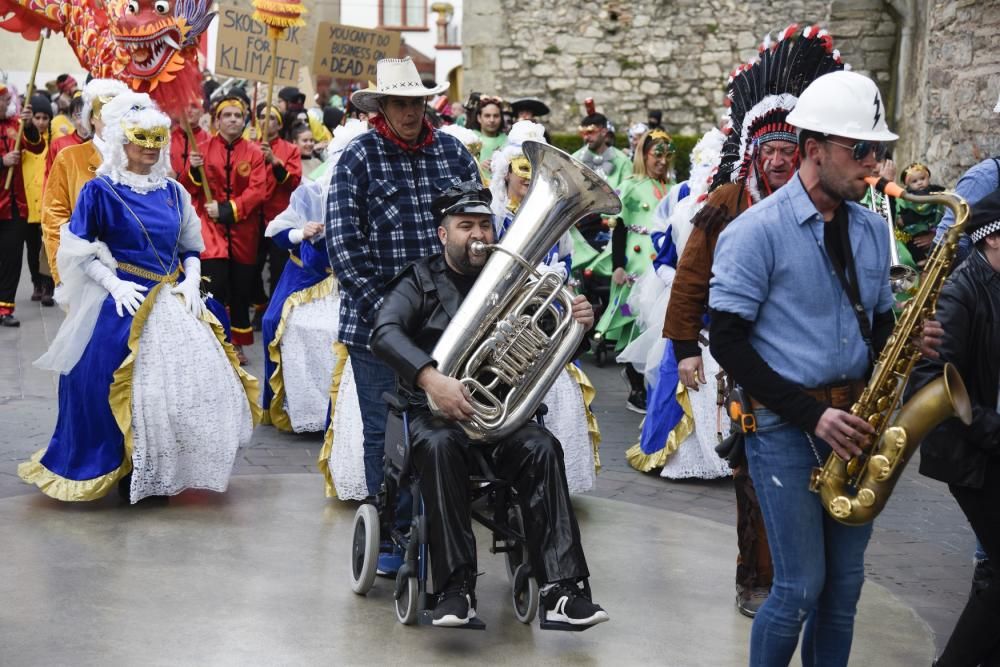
point(566, 603)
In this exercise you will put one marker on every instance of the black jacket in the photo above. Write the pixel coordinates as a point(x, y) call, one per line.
point(969, 312)
point(419, 304)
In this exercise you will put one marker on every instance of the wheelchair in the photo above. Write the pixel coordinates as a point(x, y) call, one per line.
point(493, 505)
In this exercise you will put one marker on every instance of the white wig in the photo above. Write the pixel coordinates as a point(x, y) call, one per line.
point(132, 110)
point(523, 130)
point(463, 134)
point(92, 91)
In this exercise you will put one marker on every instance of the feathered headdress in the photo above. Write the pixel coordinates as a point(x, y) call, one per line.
point(763, 91)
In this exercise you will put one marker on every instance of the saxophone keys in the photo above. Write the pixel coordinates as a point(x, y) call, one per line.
point(840, 507)
point(880, 468)
point(895, 438)
point(866, 497)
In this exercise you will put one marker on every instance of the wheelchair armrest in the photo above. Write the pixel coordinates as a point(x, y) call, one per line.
point(395, 401)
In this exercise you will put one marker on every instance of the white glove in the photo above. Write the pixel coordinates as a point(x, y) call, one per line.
point(190, 287)
point(127, 294)
point(295, 236)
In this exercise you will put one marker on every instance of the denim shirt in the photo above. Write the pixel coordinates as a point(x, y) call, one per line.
point(771, 268)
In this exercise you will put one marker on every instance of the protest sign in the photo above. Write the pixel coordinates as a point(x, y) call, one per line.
point(349, 52)
point(243, 48)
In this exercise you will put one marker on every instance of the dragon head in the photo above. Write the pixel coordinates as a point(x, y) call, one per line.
point(154, 35)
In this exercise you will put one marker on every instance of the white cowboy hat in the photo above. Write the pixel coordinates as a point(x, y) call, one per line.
point(396, 77)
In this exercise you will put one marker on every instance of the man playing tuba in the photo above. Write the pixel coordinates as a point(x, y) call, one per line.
point(418, 306)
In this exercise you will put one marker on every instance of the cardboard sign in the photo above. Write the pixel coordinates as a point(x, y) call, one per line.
point(349, 52)
point(244, 49)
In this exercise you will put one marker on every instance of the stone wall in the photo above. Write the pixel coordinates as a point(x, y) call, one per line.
point(631, 56)
point(946, 118)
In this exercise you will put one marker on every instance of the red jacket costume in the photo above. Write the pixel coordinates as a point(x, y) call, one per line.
point(238, 177)
point(180, 153)
point(32, 143)
point(282, 177)
point(65, 141)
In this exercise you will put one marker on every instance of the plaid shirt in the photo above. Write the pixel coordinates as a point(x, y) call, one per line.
point(379, 219)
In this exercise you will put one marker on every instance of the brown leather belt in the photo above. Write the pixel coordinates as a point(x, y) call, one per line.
point(840, 396)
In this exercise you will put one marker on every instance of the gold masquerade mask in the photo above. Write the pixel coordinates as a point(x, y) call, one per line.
point(154, 137)
point(521, 166)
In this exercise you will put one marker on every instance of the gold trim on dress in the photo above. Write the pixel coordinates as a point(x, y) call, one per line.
point(323, 461)
point(275, 413)
point(589, 392)
point(149, 275)
point(685, 427)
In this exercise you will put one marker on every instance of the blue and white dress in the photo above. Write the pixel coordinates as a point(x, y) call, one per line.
point(299, 329)
point(158, 394)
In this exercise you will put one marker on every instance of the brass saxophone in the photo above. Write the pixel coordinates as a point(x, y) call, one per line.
point(854, 492)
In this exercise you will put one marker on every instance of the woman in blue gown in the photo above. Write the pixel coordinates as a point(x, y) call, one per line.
point(151, 398)
point(301, 321)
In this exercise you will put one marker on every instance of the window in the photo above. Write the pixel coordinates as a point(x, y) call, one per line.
point(403, 13)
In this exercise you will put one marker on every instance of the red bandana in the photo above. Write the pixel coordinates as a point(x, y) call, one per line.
point(382, 127)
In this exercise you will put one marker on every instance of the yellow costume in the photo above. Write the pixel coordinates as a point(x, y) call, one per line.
point(74, 166)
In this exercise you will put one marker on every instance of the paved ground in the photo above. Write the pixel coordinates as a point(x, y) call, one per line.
point(921, 550)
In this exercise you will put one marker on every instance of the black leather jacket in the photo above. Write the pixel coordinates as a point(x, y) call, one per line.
point(418, 306)
point(969, 312)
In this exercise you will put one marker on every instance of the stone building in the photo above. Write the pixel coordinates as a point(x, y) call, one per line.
point(675, 55)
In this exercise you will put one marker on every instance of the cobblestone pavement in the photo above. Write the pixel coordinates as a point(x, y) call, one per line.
point(921, 549)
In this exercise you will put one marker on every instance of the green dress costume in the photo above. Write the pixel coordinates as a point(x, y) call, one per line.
point(639, 196)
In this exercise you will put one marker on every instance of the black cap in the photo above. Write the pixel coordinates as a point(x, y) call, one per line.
point(292, 94)
point(466, 197)
point(42, 104)
point(985, 220)
point(332, 117)
point(657, 114)
point(598, 119)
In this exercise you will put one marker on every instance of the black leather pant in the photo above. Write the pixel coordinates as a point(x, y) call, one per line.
point(532, 460)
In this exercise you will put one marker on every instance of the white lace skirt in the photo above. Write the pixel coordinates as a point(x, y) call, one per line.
point(696, 457)
point(307, 362)
point(567, 419)
point(347, 455)
point(189, 410)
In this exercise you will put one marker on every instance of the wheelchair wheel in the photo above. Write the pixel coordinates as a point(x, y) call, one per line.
point(406, 603)
point(524, 595)
point(364, 549)
point(516, 557)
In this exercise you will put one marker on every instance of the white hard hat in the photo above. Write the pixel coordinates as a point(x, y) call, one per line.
point(844, 103)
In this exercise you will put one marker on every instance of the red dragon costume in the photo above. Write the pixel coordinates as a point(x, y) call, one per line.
point(151, 45)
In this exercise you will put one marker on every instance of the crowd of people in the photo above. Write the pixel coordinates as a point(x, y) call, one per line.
point(346, 237)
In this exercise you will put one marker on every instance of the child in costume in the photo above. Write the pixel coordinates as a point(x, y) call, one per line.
point(918, 221)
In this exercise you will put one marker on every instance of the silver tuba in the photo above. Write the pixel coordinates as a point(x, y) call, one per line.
point(514, 331)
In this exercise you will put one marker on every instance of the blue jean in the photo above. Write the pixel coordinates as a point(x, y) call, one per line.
point(819, 565)
point(372, 379)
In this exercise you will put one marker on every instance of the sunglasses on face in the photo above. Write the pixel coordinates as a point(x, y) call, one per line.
point(861, 149)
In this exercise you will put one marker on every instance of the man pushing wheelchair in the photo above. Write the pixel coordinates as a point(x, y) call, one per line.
point(419, 304)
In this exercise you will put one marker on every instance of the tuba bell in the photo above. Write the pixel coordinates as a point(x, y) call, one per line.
point(514, 332)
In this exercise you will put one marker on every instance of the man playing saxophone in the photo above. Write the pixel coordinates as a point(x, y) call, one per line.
point(419, 304)
point(800, 306)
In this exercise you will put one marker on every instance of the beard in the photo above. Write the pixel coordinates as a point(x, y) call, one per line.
point(463, 259)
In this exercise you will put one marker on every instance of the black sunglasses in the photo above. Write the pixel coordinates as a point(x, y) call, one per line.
point(861, 149)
